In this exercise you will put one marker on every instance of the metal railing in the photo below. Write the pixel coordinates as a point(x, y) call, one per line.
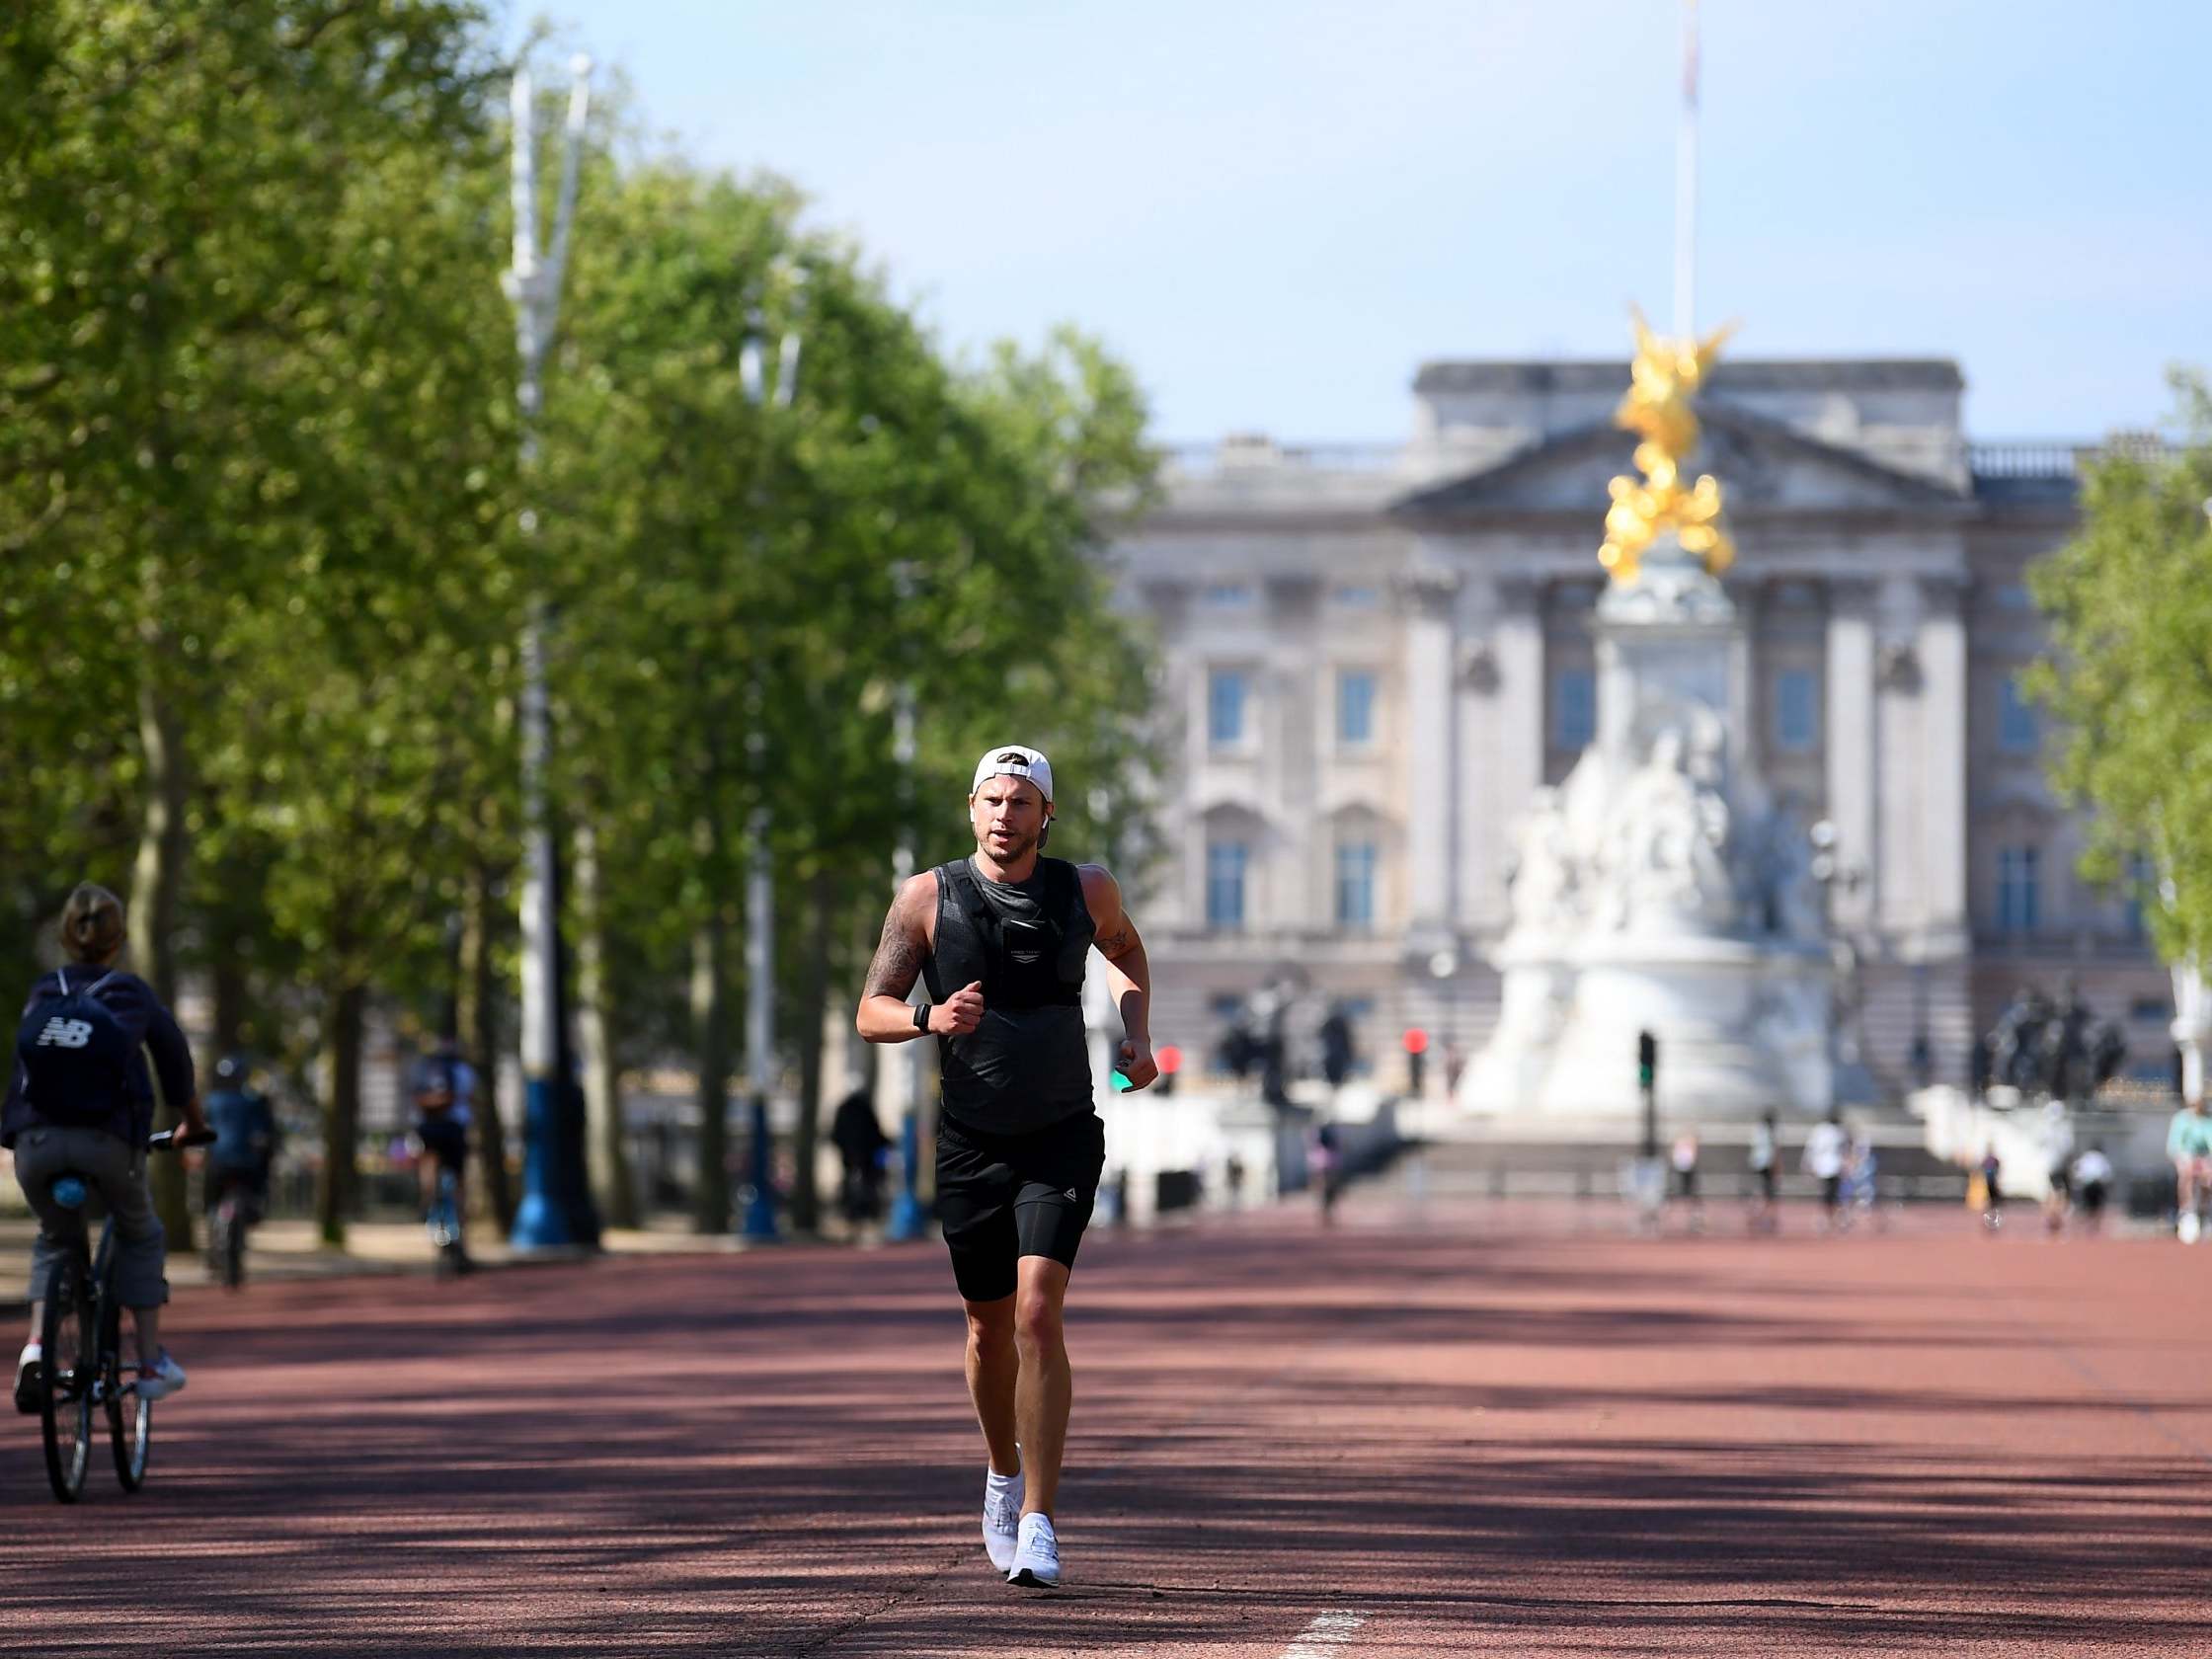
point(2044, 458)
point(1231, 454)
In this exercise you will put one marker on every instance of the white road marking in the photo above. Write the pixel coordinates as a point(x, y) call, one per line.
point(1327, 1632)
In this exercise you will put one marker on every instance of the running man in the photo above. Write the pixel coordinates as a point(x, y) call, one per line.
point(1000, 940)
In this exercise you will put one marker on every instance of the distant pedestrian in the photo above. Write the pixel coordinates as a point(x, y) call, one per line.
point(2058, 1161)
point(1235, 1170)
point(1324, 1163)
point(2189, 1143)
point(1765, 1169)
point(1684, 1157)
point(2092, 1182)
point(1825, 1150)
point(861, 1143)
point(1992, 1189)
point(1861, 1167)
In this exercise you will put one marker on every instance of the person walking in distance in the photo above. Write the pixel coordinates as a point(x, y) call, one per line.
point(1000, 940)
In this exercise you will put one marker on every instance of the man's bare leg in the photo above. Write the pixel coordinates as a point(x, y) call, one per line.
point(992, 1369)
point(1046, 1390)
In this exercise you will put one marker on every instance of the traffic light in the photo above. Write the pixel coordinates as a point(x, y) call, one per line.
point(1170, 1061)
point(1647, 1060)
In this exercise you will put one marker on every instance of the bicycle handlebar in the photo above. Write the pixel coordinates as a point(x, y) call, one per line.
point(171, 1139)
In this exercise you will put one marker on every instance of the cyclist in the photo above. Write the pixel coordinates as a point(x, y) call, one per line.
point(2189, 1143)
point(445, 1087)
point(246, 1137)
point(95, 1052)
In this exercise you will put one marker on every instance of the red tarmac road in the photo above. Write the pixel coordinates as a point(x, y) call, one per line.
point(1471, 1429)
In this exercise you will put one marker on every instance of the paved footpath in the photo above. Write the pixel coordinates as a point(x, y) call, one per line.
point(1463, 1429)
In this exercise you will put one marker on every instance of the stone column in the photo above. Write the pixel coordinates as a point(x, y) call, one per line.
point(1900, 829)
point(1430, 760)
point(1849, 741)
point(1942, 650)
point(1517, 708)
point(1289, 767)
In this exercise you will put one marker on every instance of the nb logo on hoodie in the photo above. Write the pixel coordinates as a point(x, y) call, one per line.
point(65, 1033)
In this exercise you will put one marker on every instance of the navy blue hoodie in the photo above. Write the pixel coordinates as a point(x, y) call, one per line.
point(151, 1029)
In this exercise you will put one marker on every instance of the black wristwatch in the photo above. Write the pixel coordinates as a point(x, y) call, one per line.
point(921, 1016)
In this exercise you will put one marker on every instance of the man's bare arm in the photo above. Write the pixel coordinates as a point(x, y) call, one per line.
point(1128, 974)
point(885, 1015)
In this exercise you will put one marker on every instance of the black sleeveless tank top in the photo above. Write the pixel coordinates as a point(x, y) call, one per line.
point(1027, 1066)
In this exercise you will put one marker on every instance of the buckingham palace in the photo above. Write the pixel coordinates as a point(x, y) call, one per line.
point(1375, 656)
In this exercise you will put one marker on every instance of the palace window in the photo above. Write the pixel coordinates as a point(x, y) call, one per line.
point(1574, 708)
point(2017, 895)
point(1226, 863)
point(1355, 885)
point(1796, 710)
point(1354, 708)
point(2018, 730)
point(2142, 885)
point(1225, 692)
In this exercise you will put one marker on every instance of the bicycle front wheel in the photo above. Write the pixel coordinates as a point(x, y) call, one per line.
point(232, 1263)
point(67, 1365)
point(131, 1420)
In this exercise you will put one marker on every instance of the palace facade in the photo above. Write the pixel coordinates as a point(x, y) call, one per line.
point(1373, 658)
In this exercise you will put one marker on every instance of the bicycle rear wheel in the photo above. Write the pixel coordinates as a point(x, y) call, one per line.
point(68, 1367)
point(131, 1420)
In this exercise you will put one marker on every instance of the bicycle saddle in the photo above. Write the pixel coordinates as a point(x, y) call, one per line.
point(68, 1190)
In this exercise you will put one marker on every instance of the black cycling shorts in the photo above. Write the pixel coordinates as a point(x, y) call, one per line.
point(1002, 1197)
point(446, 1141)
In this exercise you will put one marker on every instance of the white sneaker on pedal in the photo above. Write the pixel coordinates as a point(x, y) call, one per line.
point(27, 1367)
point(1036, 1561)
point(162, 1379)
point(1002, 1517)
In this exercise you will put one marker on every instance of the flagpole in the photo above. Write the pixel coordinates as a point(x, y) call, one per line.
point(1685, 183)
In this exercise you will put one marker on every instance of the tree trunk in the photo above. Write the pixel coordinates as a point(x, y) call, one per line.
point(813, 994)
point(154, 890)
point(710, 993)
point(479, 1021)
point(605, 1152)
point(334, 1196)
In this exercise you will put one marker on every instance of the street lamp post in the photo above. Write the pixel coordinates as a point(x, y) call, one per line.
point(759, 1223)
point(556, 1209)
point(1832, 873)
point(900, 1066)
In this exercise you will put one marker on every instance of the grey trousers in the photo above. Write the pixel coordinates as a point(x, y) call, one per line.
point(114, 1170)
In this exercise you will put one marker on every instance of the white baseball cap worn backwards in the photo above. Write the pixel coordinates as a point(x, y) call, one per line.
point(1014, 761)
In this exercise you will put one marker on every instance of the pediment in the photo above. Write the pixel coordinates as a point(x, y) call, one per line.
point(1761, 466)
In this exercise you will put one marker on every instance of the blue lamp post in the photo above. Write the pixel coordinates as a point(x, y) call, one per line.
point(556, 1209)
point(759, 1222)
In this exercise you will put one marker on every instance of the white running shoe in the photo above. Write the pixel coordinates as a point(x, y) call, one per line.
point(1035, 1554)
point(1001, 1519)
point(157, 1382)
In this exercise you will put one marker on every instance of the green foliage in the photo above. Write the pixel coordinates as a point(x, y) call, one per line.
point(2130, 604)
point(258, 474)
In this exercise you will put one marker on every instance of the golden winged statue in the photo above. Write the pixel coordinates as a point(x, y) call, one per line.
point(1662, 382)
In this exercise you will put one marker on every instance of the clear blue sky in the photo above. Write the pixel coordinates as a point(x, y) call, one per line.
point(1275, 209)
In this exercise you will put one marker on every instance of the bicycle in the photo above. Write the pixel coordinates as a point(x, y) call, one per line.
point(444, 1222)
point(226, 1238)
point(79, 1371)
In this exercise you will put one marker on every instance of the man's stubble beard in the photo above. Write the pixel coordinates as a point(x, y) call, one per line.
point(1013, 855)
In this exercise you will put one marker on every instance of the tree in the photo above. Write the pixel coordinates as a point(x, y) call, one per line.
point(2130, 606)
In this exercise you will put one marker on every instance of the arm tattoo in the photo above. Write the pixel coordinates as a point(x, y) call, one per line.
point(1114, 943)
point(897, 962)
